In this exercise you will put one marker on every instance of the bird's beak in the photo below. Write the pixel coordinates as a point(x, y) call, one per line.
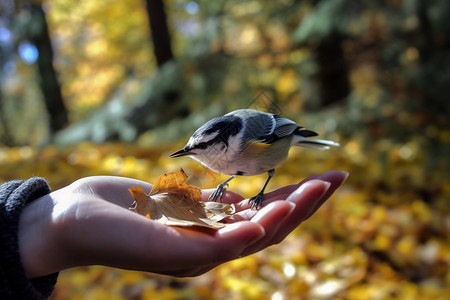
point(181, 152)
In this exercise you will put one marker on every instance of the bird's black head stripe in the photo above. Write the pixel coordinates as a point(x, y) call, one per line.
point(229, 125)
point(226, 126)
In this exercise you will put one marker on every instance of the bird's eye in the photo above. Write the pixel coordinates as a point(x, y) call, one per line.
point(221, 146)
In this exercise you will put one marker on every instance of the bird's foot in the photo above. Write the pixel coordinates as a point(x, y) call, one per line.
point(218, 192)
point(256, 201)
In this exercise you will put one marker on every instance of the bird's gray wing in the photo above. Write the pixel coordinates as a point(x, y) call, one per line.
point(259, 126)
point(267, 128)
point(286, 127)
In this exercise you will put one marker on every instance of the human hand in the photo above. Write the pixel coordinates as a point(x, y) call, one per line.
point(88, 223)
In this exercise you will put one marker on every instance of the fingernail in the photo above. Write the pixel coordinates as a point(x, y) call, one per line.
point(346, 174)
point(291, 209)
point(234, 228)
point(292, 204)
point(268, 210)
point(228, 228)
point(305, 188)
point(257, 236)
point(307, 185)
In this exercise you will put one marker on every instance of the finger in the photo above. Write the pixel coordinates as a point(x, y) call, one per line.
point(231, 232)
point(242, 205)
point(194, 251)
point(308, 198)
point(278, 194)
point(304, 200)
point(241, 213)
point(247, 232)
point(243, 208)
point(283, 192)
point(336, 179)
point(229, 197)
point(189, 272)
point(141, 244)
point(278, 223)
point(270, 218)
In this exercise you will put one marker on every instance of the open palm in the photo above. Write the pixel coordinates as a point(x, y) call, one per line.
point(88, 223)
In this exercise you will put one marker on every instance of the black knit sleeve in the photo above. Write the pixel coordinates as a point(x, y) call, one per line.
point(14, 284)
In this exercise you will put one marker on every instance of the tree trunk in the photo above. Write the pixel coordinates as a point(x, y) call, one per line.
point(333, 70)
point(162, 47)
point(5, 137)
point(49, 84)
point(159, 106)
point(159, 110)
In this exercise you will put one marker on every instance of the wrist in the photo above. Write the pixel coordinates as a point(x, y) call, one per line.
point(15, 197)
point(37, 246)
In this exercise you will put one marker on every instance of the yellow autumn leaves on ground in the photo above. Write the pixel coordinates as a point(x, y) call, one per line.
point(383, 235)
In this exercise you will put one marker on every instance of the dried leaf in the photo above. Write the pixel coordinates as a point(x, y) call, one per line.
point(141, 204)
point(174, 202)
point(217, 211)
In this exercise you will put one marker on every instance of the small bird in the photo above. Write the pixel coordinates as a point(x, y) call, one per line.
point(247, 142)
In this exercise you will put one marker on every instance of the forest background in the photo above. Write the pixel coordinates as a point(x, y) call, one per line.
point(113, 87)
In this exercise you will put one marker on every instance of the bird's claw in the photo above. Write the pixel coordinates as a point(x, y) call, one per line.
point(218, 192)
point(256, 201)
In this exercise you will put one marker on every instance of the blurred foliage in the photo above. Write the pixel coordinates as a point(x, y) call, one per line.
point(384, 235)
point(396, 54)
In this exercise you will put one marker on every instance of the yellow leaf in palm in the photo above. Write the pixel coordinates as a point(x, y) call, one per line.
point(174, 202)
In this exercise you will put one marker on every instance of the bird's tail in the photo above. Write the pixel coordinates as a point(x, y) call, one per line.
point(302, 141)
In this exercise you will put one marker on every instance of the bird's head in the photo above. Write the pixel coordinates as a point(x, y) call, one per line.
point(211, 139)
